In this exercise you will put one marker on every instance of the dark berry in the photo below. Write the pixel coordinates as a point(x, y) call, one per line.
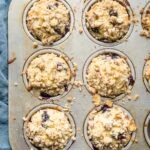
point(94, 148)
point(95, 30)
point(44, 95)
point(113, 13)
point(121, 136)
point(67, 29)
point(59, 64)
point(104, 108)
point(131, 80)
point(56, 4)
point(58, 31)
point(45, 116)
point(66, 87)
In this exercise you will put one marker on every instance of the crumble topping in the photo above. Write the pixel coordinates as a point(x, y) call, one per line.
point(48, 21)
point(108, 20)
point(110, 128)
point(146, 24)
point(49, 129)
point(109, 75)
point(50, 74)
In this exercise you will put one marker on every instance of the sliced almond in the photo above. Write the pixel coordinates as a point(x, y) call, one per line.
point(132, 127)
point(96, 100)
point(109, 103)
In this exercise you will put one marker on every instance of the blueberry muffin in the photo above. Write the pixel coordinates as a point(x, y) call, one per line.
point(50, 74)
point(108, 20)
point(48, 21)
point(146, 24)
point(49, 129)
point(109, 75)
point(110, 128)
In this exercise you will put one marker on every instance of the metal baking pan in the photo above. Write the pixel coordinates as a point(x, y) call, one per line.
point(79, 48)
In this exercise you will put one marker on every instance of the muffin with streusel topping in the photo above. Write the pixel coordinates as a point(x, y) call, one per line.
point(50, 74)
point(108, 20)
point(49, 129)
point(110, 127)
point(48, 21)
point(109, 75)
point(146, 23)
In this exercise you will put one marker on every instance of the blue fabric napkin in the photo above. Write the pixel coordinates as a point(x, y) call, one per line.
point(4, 142)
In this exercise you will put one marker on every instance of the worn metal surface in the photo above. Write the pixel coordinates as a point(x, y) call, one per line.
point(80, 47)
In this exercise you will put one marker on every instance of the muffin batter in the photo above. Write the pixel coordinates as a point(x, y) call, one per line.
point(48, 21)
point(146, 24)
point(147, 71)
point(49, 129)
point(109, 75)
point(108, 20)
point(110, 128)
point(50, 74)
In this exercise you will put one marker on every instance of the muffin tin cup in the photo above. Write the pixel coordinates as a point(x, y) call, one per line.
point(51, 106)
point(28, 7)
point(107, 51)
point(107, 44)
point(36, 92)
point(86, 126)
point(147, 129)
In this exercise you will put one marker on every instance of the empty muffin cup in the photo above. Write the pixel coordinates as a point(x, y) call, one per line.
point(107, 22)
point(146, 21)
point(109, 73)
point(147, 129)
point(48, 22)
point(109, 127)
point(47, 126)
point(48, 74)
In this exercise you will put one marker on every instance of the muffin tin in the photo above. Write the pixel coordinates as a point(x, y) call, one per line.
point(79, 48)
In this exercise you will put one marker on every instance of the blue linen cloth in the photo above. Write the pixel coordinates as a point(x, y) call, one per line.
point(4, 142)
